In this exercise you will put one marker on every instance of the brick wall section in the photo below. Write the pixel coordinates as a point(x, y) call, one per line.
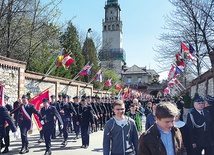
point(18, 81)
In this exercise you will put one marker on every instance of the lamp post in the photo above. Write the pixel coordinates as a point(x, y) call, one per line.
point(89, 31)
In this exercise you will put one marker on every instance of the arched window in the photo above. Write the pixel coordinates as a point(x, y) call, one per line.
point(109, 27)
point(105, 28)
point(113, 27)
point(118, 27)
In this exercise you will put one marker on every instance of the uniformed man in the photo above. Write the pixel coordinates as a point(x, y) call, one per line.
point(199, 124)
point(48, 113)
point(54, 104)
point(96, 116)
point(58, 108)
point(16, 105)
point(7, 129)
point(5, 118)
point(85, 118)
point(25, 122)
point(66, 111)
point(100, 111)
point(75, 117)
point(105, 112)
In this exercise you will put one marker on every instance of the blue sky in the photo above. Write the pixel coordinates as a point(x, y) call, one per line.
point(142, 25)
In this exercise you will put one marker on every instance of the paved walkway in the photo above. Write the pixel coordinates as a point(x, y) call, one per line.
point(73, 147)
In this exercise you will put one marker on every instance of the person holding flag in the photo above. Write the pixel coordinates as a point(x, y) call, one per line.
point(25, 112)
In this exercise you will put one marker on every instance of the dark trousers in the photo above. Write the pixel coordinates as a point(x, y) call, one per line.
point(54, 131)
point(207, 150)
point(7, 137)
point(85, 135)
point(101, 122)
point(47, 135)
point(41, 133)
point(65, 129)
point(24, 130)
point(60, 130)
point(76, 127)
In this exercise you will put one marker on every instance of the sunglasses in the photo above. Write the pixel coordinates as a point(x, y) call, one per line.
point(120, 109)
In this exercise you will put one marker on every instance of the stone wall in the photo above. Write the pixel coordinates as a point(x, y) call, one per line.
point(204, 84)
point(18, 81)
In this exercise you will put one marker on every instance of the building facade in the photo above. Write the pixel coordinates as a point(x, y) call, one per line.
point(142, 79)
point(112, 55)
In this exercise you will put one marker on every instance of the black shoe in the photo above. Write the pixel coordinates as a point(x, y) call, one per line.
point(83, 146)
point(2, 145)
point(59, 135)
point(101, 129)
point(27, 149)
point(22, 151)
point(40, 140)
point(6, 150)
point(54, 137)
point(64, 143)
point(86, 147)
point(48, 152)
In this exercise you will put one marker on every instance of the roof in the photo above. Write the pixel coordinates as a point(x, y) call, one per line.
point(139, 70)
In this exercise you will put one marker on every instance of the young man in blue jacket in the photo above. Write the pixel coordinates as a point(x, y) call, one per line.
point(120, 133)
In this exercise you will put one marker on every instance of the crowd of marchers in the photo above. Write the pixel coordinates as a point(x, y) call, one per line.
point(165, 133)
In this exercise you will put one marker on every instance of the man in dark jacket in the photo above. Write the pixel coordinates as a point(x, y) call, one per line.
point(200, 127)
point(162, 138)
point(48, 113)
point(5, 119)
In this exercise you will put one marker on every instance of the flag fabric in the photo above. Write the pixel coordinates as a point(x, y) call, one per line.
point(184, 48)
point(191, 49)
point(67, 61)
point(179, 60)
point(167, 91)
point(85, 71)
point(61, 57)
point(178, 71)
point(186, 52)
point(125, 90)
point(172, 72)
point(172, 82)
point(108, 83)
point(117, 86)
point(2, 95)
point(37, 101)
point(99, 76)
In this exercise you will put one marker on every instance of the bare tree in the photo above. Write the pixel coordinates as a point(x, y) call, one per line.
point(24, 25)
point(190, 22)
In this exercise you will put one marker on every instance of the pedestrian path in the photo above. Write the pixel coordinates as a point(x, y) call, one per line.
point(73, 147)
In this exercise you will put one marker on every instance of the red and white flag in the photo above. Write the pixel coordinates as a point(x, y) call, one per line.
point(108, 83)
point(67, 61)
point(172, 72)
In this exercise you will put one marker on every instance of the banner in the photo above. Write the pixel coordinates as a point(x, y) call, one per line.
point(37, 101)
point(2, 95)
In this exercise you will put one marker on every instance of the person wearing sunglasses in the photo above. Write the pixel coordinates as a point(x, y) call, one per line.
point(199, 124)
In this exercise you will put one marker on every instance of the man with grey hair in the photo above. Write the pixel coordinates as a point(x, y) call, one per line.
point(162, 137)
point(200, 127)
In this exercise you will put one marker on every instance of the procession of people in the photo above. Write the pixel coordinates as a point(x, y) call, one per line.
point(165, 131)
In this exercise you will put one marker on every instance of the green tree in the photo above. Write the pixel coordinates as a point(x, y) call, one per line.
point(70, 41)
point(90, 54)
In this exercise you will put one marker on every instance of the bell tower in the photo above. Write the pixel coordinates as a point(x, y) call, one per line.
point(112, 55)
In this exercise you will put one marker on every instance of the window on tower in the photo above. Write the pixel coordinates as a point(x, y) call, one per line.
point(104, 28)
point(109, 27)
point(118, 27)
point(113, 27)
